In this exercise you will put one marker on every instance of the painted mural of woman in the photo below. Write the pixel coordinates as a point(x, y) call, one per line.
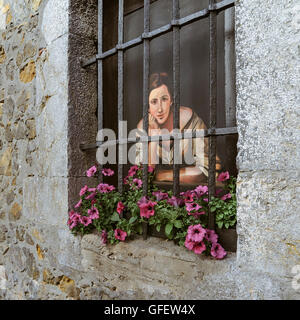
point(160, 120)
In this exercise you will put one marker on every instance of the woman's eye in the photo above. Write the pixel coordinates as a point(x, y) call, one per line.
point(154, 101)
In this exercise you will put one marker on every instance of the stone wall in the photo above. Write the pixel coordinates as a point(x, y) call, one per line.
point(47, 106)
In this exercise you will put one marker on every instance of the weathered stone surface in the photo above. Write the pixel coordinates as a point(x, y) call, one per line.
point(55, 20)
point(165, 269)
point(10, 197)
point(28, 239)
point(3, 231)
point(27, 73)
point(35, 4)
point(31, 128)
point(52, 139)
point(10, 70)
point(20, 233)
point(5, 162)
point(15, 212)
point(270, 235)
point(268, 84)
point(2, 54)
point(67, 285)
point(20, 131)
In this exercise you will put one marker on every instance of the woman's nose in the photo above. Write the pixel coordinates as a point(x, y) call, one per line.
point(160, 106)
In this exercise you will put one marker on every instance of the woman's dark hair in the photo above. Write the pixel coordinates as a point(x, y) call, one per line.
point(159, 79)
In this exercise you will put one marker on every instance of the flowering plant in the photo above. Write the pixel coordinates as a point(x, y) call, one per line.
point(224, 206)
point(182, 218)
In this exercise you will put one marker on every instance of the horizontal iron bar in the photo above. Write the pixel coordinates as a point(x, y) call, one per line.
point(187, 135)
point(220, 6)
point(193, 17)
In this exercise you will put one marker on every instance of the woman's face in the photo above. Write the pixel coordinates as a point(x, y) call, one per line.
point(159, 104)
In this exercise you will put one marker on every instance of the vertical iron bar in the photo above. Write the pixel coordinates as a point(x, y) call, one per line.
point(120, 91)
point(213, 109)
point(176, 90)
point(100, 73)
point(146, 63)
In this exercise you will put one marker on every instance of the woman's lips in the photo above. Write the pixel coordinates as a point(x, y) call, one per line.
point(160, 116)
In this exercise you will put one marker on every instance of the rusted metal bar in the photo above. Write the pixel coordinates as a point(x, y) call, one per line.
point(179, 22)
point(213, 108)
point(146, 66)
point(176, 93)
point(189, 135)
point(100, 74)
point(120, 91)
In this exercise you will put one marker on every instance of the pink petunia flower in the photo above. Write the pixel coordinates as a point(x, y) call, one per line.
point(196, 233)
point(146, 207)
point(91, 171)
point(136, 183)
point(132, 171)
point(199, 248)
point(223, 176)
point(160, 195)
point(120, 234)
point(189, 244)
point(93, 213)
point(120, 207)
point(188, 196)
point(78, 204)
point(175, 202)
point(211, 236)
point(104, 237)
point(150, 169)
point(107, 172)
point(92, 189)
point(218, 251)
point(91, 196)
point(71, 214)
point(105, 188)
point(205, 199)
point(196, 214)
point(83, 190)
point(73, 219)
point(85, 220)
point(226, 196)
point(201, 190)
point(192, 206)
point(72, 223)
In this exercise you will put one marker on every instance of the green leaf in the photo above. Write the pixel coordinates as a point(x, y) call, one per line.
point(168, 228)
point(220, 224)
point(132, 220)
point(213, 209)
point(115, 217)
point(178, 224)
point(226, 225)
point(140, 229)
point(158, 227)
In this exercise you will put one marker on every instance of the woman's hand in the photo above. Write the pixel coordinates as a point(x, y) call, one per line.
point(152, 122)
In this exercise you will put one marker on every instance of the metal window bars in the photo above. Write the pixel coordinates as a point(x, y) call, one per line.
point(174, 26)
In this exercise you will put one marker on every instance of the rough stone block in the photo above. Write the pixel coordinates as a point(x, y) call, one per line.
point(268, 221)
point(268, 85)
point(51, 209)
point(55, 19)
point(154, 268)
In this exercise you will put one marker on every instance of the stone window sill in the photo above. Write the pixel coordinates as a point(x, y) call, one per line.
point(156, 268)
